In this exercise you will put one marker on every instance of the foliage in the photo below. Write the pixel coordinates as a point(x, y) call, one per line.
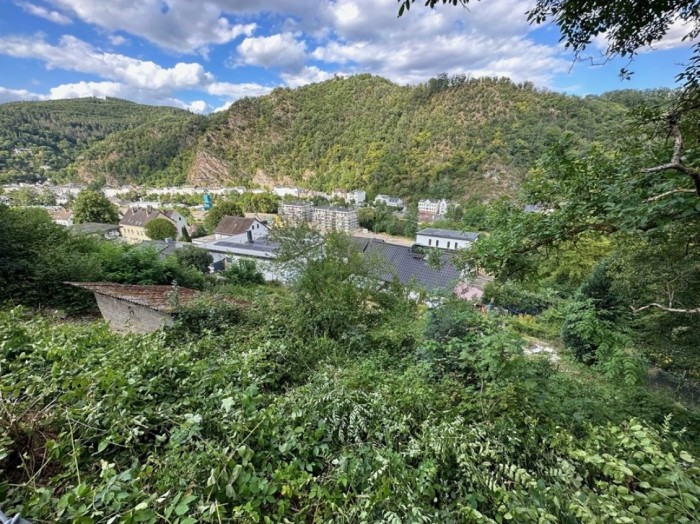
point(206, 315)
point(191, 256)
point(243, 272)
point(449, 137)
point(94, 206)
point(517, 299)
point(53, 134)
point(160, 229)
point(215, 421)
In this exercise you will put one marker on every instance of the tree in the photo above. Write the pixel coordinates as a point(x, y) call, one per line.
point(191, 256)
point(94, 206)
point(411, 221)
point(185, 235)
point(219, 211)
point(160, 229)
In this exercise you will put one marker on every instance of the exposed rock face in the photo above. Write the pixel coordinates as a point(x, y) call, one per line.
point(207, 170)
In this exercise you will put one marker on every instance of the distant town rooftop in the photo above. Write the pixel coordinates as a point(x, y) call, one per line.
point(448, 233)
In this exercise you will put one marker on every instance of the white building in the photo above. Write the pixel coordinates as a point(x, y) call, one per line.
point(240, 229)
point(356, 196)
point(286, 191)
point(445, 238)
point(389, 201)
point(433, 207)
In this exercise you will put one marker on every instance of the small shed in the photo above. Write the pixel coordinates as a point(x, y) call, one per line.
point(137, 309)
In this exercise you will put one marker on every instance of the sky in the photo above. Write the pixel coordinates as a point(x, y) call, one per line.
point(202, 55)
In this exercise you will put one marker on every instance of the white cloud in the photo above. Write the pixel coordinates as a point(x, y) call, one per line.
point(87, 89)
point(235, 91)
point(280, 50)
point(12, 95)
point(73, 54)
point(117, 39)
point(42, 12)
point(306, 75)
point(198, 106)
point(180, 25)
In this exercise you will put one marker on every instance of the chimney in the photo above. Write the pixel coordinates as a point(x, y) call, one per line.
point(250, 236)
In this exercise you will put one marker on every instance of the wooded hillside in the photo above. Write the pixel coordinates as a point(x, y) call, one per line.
point(447, 137)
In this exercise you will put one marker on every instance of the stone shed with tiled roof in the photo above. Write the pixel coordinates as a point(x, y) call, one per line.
point(138, 309)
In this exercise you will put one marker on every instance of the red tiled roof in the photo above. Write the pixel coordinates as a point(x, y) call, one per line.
point(231, 225)
point(153, 297)
point(61, 214)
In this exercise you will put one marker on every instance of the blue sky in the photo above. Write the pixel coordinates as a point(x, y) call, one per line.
point(204, 54)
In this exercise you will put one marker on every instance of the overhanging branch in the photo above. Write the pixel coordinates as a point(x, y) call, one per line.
point(665, 308)
point(676, 163)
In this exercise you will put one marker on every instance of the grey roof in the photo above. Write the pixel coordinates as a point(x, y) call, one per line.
point(411, 267)
point(161, 247)
point(448, 233)
point(260, 248)
point(94, 228)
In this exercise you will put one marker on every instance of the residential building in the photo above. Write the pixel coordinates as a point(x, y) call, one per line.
point(433, 207)
point(445, 238)
point(356, 196)
point(285, 191)
point(61, 216)
point(296, 213)
point(389, 201)
point(132, 226)
point(333, 218)
point(240, 229)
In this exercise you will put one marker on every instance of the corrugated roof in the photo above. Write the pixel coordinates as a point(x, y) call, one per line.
point(231, 225)
point(153, 297)
point(448, 233)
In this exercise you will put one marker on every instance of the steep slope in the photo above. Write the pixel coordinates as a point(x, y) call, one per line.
point(448, 137)
point(463, 137)
point(43, 138)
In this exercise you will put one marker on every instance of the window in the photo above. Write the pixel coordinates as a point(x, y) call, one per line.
point(437, 243)
point(430, 241)
point(448, 244)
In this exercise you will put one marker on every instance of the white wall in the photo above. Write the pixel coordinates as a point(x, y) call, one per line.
point(441, 242)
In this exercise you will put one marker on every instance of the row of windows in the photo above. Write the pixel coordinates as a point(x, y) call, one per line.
point(437, 243)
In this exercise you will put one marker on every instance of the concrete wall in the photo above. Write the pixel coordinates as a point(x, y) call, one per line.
point(126, 316)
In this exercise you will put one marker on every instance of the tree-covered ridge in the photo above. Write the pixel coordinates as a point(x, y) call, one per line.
point(447, 137)
point(39, 139)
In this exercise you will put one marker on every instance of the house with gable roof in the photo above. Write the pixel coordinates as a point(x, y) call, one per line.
point(132, 226)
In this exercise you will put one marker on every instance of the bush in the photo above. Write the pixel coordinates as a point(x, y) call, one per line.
point(243, 272)
point(516, 299)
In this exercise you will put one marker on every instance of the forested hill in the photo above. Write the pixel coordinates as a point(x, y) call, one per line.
point(40, 139)
point(456, 136)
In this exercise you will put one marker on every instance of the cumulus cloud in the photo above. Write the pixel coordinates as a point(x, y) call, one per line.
point(13, 95)
point(73, 54)
point(42, 12)
point(236, 91)
point(280, 50)
point(180, 25)
point(306, 75)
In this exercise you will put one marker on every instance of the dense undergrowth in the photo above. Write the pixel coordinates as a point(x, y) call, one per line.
point(403, 416)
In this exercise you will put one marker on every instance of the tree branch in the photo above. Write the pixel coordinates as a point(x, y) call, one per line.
point(665, 308)
point(676, 163)
point(667, 193)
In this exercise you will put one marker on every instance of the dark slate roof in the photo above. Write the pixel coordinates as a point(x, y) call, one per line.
point(161, 247)
point(411, 267)
point(139, 216)
point(260, 245)
point(448, 233)
point(231, 225)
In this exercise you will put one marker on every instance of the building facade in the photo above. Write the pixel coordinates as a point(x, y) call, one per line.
point(132, 226)
point(389, 201)
point(240, 229)
point(296, 213)
point(433, 207)
point(445, 238)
